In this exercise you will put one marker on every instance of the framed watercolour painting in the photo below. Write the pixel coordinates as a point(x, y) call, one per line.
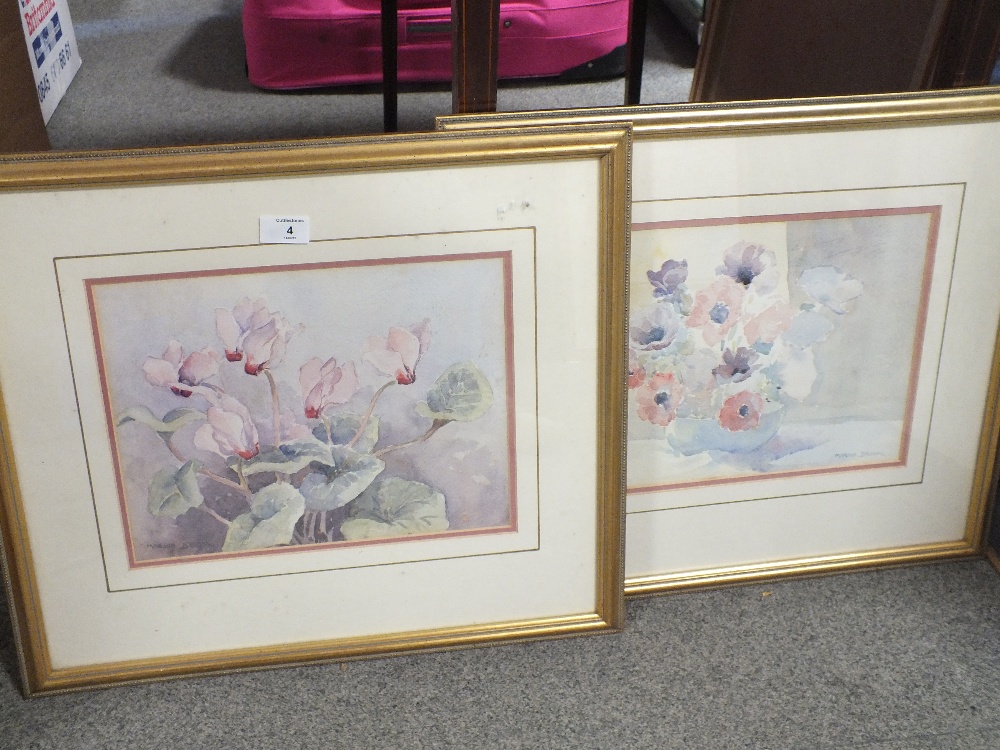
point(811, 386)
point(309, 401)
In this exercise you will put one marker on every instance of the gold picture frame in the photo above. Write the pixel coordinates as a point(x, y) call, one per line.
point(228, 471)
point(797, 170)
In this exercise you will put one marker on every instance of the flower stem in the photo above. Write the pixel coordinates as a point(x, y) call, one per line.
point(368, 414)
point(173, 449)
point(437, 425)
point(243, 490)
point(275, 406)
point(215, 515)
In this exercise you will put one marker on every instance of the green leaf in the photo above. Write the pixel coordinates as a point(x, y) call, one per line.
point(395, 507)
point(460, 394)
point(290, 457)
point(351, 475)
point(173, 492)
point(171, 422)
point(343, 428)
point(274, 511)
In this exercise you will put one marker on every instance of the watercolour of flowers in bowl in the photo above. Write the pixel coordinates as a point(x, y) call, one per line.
point(713, 368)
point(245, 468)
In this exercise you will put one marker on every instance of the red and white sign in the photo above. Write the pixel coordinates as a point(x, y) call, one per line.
point(55, 59)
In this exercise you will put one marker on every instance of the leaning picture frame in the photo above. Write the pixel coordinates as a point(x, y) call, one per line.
point(800, 403)
point(308, 401)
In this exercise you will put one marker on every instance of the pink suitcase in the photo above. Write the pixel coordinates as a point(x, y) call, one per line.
point(294, 44)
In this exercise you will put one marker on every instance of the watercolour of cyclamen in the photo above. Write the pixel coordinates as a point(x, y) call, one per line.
point(311, 471)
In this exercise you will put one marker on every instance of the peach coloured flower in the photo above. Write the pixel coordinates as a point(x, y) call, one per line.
point(768, 325)
point(716, 309)
point(741, 411)
point(636, 373)
point(658, 397)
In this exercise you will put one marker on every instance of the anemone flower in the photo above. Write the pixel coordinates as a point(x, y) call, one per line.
point(658, 397)
point(736, 365)
point(656, 328)
point(716, 309)
point(667, 281)
point(749, 264)
point(741, 411)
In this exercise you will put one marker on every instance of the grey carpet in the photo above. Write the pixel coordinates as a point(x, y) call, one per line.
point(157, 74)
point(904, 659)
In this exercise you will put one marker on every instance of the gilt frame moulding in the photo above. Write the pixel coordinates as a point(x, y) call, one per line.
point(812, 389)
point(250, 455)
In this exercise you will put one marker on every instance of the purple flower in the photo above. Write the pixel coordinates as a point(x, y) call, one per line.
point(182, 375)
point(657, 329)
point(736, 366)
point(748, 264)
point(666, 282)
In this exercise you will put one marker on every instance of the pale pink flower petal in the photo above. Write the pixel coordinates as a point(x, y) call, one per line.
point(198, 367)
point(229, 332)
point(229, 431)
point(159, 372)
point(658, 397)
point(770, 324)
point(397, 354)
point(174, 353)
point(716, 309)
point(326, 384)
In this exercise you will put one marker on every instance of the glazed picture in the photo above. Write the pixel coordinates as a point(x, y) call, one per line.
point(263, 410)
point(775, 346)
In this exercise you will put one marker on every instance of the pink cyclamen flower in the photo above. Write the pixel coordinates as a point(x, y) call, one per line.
point(397, 354)
point(716, 309)
point(741, 411)
point(230, 431)
point(265, 346)
point(325, 384)
point(658, 397)
point(233, 326)
point(251, 329)
point(182, 375)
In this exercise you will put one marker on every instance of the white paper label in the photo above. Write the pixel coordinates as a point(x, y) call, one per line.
point(284, 229)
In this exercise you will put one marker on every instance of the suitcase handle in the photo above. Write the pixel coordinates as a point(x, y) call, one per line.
point(422, 26)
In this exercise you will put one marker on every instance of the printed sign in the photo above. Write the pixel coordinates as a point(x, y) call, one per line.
point(48, 31)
